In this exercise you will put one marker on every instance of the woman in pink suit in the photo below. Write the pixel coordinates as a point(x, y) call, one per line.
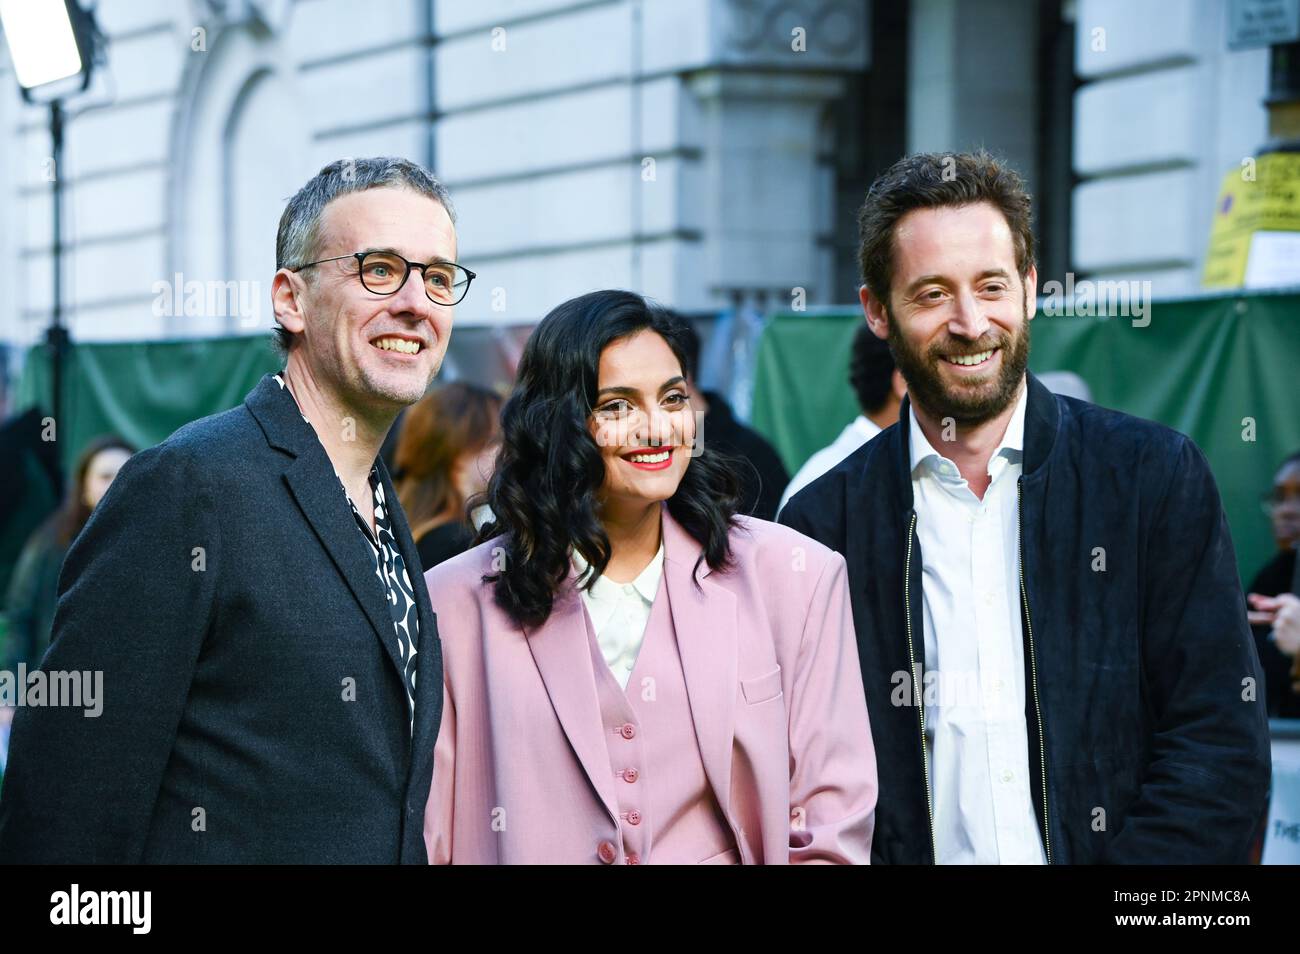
point(633, 673)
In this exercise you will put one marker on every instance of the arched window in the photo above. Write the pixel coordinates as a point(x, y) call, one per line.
point(240, 149)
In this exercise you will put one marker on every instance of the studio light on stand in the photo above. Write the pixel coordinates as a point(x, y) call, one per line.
point(52, 45)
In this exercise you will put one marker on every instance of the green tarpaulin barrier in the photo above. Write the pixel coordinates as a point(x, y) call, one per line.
point(142, 391)
point(1224, 370)
point(1206, 366)
point(145, 390)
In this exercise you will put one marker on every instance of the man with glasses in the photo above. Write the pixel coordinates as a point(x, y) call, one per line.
point(249, 589)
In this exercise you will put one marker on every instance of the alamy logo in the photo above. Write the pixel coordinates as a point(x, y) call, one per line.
point(56, 688)
point(208, 299)
point(103, 907)
point(1087, 298)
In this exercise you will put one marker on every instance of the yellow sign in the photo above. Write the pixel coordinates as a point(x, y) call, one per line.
point(1262, 196)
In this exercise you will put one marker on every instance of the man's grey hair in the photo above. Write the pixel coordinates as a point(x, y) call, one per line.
point(298, 239)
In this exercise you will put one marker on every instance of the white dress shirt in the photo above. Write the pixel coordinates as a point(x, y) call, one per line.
point(974, 655)
point(619, 613)
point(857, 433)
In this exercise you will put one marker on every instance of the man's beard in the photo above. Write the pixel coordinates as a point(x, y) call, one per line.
point(967, 404)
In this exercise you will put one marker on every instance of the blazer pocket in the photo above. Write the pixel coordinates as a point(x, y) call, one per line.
point(762, 688)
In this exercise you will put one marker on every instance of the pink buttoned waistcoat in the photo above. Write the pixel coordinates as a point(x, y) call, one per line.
point(539, 760)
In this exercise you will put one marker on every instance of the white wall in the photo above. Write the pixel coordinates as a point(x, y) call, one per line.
point(602, 144)
point(973, 79)
point(669, 146)
point(1165, 111)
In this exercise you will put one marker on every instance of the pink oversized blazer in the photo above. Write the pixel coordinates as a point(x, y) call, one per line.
point(521, 769)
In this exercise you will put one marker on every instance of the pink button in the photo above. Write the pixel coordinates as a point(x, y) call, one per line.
point(634, 859)
point(606, 852)
point(631, 775)
point(634, 817)
point(628, 730)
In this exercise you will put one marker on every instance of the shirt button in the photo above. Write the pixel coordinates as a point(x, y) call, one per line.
point(628, 588)
point(634, 859)
point(606, 852)
point(628, 730)
point(634, 817)
point(630, 775)
point(1007, 776)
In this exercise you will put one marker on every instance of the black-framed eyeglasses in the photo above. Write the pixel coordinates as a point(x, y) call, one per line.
point(384, 272)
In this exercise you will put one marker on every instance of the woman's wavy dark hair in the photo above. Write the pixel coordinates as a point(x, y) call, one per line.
point(544, 491)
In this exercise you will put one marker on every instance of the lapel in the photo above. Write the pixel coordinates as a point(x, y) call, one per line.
point(561, 649)
point(704, 619)
point(315, 486)
point(428, 676)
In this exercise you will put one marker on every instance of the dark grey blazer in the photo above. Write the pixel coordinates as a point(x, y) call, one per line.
point(225, 592)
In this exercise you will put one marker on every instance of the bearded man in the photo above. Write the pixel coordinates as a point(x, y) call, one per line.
point(1051, 628)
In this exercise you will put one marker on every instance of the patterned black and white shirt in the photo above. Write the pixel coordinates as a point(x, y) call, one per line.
point(391, 570)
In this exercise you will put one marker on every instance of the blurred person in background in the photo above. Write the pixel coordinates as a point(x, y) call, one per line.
point(879, 388)
point(754, 460)
point(33, 591)
point(445, 455)
point(634, 674)
point(243, 587)
point(28, 618)
point(32, 485)
point(1275, 613)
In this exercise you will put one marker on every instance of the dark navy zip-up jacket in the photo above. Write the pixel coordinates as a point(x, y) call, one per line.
point(1148, 735)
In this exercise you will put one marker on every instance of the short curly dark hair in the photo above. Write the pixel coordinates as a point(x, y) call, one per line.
point(935, 180)
point(871, 369)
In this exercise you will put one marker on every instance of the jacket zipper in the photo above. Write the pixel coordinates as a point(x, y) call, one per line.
point(911, 659)
point(1033, 669)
